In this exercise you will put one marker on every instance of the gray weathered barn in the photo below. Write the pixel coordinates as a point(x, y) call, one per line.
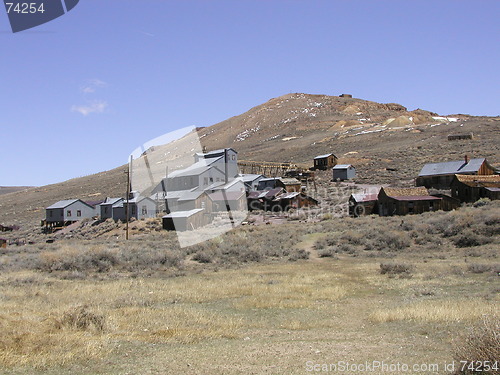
point(440, 175)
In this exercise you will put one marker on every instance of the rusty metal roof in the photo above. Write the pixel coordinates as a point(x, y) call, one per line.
point(405, 192)
point(479, 181)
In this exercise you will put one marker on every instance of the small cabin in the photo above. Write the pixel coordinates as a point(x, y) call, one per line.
point(343, 172)
point(361, 204)
point(324, 162)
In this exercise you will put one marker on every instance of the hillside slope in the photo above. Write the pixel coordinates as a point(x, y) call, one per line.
point(297, 127)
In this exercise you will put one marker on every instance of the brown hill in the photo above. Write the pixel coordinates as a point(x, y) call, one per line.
point(386, 142)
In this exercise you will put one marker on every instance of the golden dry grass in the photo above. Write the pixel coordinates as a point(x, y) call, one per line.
point(451, 311)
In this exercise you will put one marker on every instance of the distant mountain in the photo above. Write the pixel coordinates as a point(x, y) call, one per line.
point(386, 143)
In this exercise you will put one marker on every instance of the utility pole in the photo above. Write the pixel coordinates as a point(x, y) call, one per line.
point(127, 172)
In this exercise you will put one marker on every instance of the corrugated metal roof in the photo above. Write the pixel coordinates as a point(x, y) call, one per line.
point(190, 195)
point(363, 197)
point(289, 195)
point(183, 213)
point(452, 167)
point(250, 177)
point(323, 156)
point(111, 201)
point(62, 204)
point(492, 188)
point(342, 166)
point(229, 195)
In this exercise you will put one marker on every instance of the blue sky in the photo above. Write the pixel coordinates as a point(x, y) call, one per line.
point(78, 94)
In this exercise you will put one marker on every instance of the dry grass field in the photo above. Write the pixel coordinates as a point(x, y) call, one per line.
point(259, 300)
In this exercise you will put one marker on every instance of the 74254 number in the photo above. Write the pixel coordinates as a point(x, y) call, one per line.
point(25, 8)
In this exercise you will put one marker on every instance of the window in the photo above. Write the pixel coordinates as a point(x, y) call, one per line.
point(431, 206)
point(68, 213)
point(205, 181)
point(50, 213)
point(411, 205)
point(144, 210)
point(133, 209)
point(79, 213)
point(106, 210)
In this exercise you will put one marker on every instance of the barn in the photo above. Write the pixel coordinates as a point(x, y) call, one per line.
point(440, 175)
point(342, 172)
point(471, 188)
point(324, 162)
point(405, 201)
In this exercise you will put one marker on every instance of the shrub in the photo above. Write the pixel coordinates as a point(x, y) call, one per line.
point(395, 268)
point(481, 344)
point(80, 318)
point(483, 268)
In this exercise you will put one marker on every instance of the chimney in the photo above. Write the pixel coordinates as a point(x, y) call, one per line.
point(466, 159)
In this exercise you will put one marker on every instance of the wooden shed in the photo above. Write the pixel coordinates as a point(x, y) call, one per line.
point(185, 220)
point(471, 188)
point(404, 201)
point(324, 162)
point(363, 204)
point(342, 172)
point(3, 243)
point(291, 184)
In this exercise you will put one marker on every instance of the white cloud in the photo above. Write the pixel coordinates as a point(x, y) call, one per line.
point(96, 106)
point(92, 85)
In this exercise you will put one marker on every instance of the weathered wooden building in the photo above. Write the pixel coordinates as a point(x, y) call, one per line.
point(295, 200)
point(363, 204)
point(291, 184)
point(324, 162)
point(440, 175)
point(471, 188)
point(404, 201)
point(138, 207)
point(342, 172)
point(3, 243)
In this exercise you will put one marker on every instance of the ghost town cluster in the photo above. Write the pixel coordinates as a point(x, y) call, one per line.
point(212, 186)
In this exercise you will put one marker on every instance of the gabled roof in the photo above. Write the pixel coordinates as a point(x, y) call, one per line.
point(94, 203)
point(405, 192)
point(190, 195)
point(221, 195)
point(111, 201)
point(452, 167)
point(195, 169)
point(66, 203)
point(324, 156)
point(268, 194)
point(342, 166)
point(214, 153)
point(250, 177)
point(479, 180)
point(179, 214)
